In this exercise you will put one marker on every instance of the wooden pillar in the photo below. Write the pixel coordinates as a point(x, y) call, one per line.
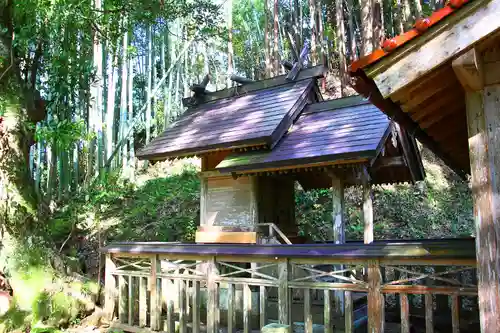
point(376, 303)
point(338, 233)
point(109, 287)
point(368, 213)
point(213, 297)
point(483, 123)
point(155, 299)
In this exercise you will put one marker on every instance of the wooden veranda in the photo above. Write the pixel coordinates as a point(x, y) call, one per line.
point(174, 287)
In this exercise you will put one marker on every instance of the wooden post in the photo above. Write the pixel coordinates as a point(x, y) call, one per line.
point(283, 293)
point(110, 287)
point(368, 213)
point(338, 234)
point(155, 307)
point(213, 298)
point(203, 200)
point(376, 313)
point(483, 123)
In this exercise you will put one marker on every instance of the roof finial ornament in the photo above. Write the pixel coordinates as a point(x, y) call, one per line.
point(298, 60)
point(199, 90)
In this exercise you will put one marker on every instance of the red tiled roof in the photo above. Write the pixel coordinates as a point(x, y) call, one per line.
point(420, 27)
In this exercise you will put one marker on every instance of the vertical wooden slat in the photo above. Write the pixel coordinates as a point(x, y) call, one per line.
point(182, 306)
point(405, 313)
point(263, 306)
point(196, 306)
point(429, 316)
point(170, 324)
point(109, 287)
point(348, 312)
point(122, 298)
point(143, 305)
point(308, 322)
point(327, 301)
point(376, 302)
point(230, 308)
point(213, 304)
point(247, 308)
point(283, 299)
point(455, 314)
point(131, 300)
point(155, 305)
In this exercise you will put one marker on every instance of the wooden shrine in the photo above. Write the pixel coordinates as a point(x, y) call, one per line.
point(441, 82)
point(258, 139)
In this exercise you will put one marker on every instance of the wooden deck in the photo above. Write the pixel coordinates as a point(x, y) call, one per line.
point(174, 287)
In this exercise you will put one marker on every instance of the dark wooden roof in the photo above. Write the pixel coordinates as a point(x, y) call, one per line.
point(337, 130)
point(257, 118)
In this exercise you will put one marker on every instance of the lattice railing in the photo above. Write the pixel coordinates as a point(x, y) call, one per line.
point(194, 293)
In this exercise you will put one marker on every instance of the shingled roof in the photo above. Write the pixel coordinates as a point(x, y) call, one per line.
point(258, 118)
point(336, 130)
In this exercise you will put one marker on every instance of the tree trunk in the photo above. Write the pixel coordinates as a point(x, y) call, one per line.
point(314, 32)
point(123, 97)
point(266, 39)
point(341, 50)
point(366, 27)
point(276, 57)
point(229, 42)
point(148, 84)
point(378, 23)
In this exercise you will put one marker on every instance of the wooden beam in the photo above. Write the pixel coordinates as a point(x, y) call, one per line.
point(240, 79)
point(458, 33)
point(387, 162)
point(232, 237)
point(468, 69)
point(366, 87)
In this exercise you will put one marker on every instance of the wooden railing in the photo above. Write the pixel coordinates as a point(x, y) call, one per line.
point(194, 287)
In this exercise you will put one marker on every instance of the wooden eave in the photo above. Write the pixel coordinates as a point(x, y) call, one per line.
point(416, 84)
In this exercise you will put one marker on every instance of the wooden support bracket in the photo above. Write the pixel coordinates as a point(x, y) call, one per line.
point(468, 69)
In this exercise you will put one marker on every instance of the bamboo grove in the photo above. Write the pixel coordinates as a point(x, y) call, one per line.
point(112, 73)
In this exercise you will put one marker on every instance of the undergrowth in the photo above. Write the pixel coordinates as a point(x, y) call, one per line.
point(162, 204)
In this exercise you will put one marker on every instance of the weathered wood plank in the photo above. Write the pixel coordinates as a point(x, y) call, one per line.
point(283, 293)
point(196, 307)
point(247, 309)
point(155, 306)
point(367, 213)
point(338, 233)
point(231, 313)
point(405, 313)
point(212, 302)
point(143, 305)
point(468, 27)
point(226, 237)
point(455, 314)
point(308, 320)
point(484, 150)
point(429, 314)
point(131, 300)
point(182, 306)
point(122, 299)
point(327, 311)
point(263, 306)
point(376, 319)
point(349, 309)
point(170, 321)
point(110, 287)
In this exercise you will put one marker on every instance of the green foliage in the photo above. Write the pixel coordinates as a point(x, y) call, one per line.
point(160, 209)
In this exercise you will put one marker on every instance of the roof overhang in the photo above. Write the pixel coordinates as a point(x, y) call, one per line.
point(416, 85)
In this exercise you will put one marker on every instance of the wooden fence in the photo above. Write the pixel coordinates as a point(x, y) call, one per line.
point(228, 288)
